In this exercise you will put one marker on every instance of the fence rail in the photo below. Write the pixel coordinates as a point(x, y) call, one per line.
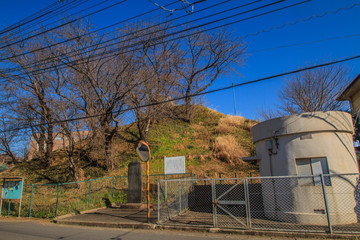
point(52, 200)
point(317, 203)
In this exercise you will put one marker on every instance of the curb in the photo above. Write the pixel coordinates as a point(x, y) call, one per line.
point(109, 224)
point(149, 226)
point(73, 214)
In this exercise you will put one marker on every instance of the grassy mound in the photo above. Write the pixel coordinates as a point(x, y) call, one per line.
point(212, 144)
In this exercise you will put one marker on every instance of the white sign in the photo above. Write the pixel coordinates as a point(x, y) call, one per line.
point(174, 165)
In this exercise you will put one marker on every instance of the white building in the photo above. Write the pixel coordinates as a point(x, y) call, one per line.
point(307, 144)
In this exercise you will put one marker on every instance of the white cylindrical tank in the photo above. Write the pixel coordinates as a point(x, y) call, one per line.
point(308, 144)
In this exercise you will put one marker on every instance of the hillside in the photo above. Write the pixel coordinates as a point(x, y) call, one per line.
point(213, 144)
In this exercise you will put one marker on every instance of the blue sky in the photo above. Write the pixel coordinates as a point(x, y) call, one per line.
point(251, 98)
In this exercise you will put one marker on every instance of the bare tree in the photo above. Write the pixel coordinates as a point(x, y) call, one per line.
point(206, 56)
point(26, 92)
point(155, 73)
point(8, 139)
point(314, 90)
point(99, 86)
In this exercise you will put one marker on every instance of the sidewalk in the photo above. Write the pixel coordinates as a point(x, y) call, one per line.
point(111, 217)
point(136, 219)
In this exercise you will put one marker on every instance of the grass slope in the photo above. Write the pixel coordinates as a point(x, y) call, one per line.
point(213, 144)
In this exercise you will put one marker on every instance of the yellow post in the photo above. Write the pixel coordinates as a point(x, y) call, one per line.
point(143, 152)
point(148, 189)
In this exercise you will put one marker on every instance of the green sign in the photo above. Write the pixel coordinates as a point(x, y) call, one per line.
point(12, 189)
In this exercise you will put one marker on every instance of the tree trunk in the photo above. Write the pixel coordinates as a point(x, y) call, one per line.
point(49, 142)
point(109, 134)
point(143, 129)
point(188, 112)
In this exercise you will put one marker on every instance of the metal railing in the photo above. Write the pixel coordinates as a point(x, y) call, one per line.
point(318, 203)
point(52, 200)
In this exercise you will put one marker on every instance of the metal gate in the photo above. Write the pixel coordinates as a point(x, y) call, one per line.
point(286, 203)
point(230, 203)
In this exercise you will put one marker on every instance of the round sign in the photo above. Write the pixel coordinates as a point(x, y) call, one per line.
point(143, 151)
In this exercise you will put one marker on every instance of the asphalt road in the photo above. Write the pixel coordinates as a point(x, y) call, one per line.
point(30, 230)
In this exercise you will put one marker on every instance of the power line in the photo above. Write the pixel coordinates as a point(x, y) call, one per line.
point(56, 13)
point(258, 32)
point(132, 45)
point(32, 17)
point(106, 54)
point(185, 3)
point(195, 95)
point(70, 5)
point(304, 43)
point(64, 24)
point(112, 25)
point(304, 19)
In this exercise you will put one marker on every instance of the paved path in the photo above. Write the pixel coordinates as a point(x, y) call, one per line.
point(136, 219)
point(15, 229)
point(113, 215)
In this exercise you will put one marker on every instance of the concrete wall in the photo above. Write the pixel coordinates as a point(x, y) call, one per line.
point(309, 135)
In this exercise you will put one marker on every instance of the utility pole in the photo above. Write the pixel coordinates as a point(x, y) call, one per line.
point(234, 99)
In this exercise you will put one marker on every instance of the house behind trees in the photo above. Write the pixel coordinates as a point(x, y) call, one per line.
point(60, 142)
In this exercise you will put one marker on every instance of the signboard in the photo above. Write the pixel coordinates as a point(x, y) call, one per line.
point(12, 189)
point(174, 165)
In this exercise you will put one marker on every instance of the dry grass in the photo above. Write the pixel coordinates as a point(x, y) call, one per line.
point(227, 123)
point(201, 133)
point(227, 149)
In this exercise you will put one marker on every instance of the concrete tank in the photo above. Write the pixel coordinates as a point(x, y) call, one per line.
point(307, 144)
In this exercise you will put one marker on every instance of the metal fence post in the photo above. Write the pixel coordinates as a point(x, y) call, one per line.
point(9, 208)
point(113, 189)
point(247, 203)
point(326, 203)
point(31, 199)
point(179, 197)
point(57, 199)
point(165, 186)
point(89, 193)
point(158, 200)
point(213, 195)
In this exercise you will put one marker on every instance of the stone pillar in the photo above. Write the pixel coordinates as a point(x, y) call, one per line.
point(134, 182)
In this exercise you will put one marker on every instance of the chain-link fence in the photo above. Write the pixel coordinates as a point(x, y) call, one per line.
point(319, 203)
point(51, 200)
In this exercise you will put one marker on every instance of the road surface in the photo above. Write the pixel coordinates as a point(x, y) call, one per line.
point(34, 230)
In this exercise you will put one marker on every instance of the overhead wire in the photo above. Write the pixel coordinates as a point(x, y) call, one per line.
point(194, 95)
point(283, 25)
point(64, 24)
point(103, 55)
point(61, 12)
point(191, 28)
point(221, 89)
point(28, 19)
point(304, 43)
point(106, 27)
point(304, 19)
point(52, 13)
point(245, 36)
point(140, 30)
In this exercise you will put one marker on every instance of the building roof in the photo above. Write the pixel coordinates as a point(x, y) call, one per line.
point(353, 88)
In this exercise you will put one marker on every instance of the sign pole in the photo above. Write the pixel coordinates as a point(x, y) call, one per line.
point(148, 189)
point(143, 152)
point(22, 188)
